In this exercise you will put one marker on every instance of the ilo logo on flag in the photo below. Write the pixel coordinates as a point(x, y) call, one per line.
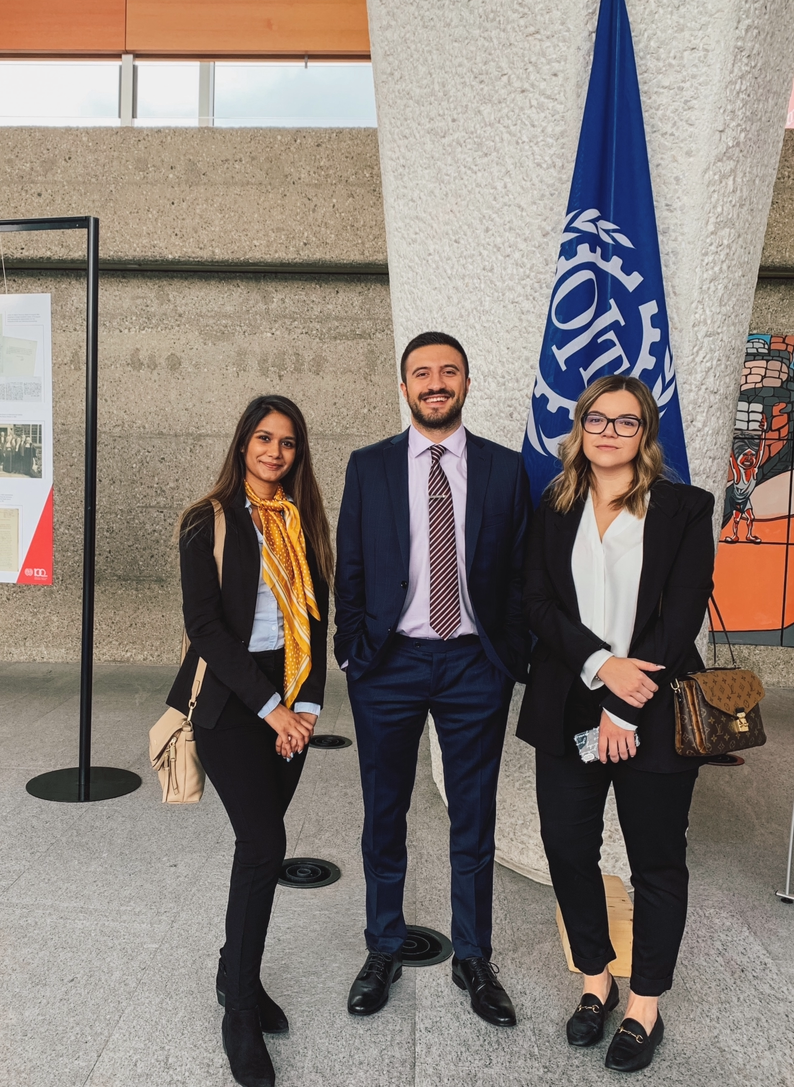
point(604, 322)
point(607, 313)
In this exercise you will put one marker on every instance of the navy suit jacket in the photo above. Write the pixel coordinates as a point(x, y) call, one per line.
point(373, 552)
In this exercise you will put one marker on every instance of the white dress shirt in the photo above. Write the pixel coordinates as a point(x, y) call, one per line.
point(606, 574)
point(415, 619)
point(267, 632)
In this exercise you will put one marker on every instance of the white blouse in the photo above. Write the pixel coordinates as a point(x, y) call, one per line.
point(606, 575)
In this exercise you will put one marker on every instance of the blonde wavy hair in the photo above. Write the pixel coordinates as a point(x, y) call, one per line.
point(576, 478)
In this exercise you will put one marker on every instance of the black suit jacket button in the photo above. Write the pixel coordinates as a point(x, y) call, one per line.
point(403, 584)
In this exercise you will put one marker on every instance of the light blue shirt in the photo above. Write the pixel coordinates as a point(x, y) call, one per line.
point(267, 632)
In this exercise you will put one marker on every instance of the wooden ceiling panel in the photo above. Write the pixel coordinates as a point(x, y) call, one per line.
point(62, 26)
point(247, 27)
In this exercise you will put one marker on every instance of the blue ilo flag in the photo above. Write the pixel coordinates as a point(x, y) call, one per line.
point(607, 313)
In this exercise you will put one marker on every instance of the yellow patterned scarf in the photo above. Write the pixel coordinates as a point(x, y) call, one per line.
point(286, 573)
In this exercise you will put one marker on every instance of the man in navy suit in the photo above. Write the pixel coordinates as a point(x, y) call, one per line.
point(430, 547)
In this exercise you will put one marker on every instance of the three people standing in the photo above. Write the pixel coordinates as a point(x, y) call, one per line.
point(440, 586)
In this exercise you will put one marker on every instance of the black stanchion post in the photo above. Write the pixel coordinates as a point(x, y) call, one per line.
point(83, 782)
point(89, 505)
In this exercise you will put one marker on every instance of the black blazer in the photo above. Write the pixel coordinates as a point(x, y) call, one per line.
point(675, 583)
point(219, 621)
point(373, 551)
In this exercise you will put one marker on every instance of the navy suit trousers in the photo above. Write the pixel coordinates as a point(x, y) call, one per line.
point(469, 699)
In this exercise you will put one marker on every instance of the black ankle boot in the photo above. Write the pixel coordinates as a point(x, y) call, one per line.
point(271, 1017)
point(245, 1047)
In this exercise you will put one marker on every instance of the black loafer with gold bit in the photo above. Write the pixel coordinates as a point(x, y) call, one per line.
point(586, 1025)
point(633, 1047)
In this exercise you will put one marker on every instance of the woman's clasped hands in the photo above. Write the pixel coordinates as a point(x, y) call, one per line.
point(293, 730)
point(625, 677)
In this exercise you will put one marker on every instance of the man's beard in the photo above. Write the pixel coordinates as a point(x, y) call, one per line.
point(438, 420)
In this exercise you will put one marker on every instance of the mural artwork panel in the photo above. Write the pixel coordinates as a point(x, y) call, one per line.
point(754, 575)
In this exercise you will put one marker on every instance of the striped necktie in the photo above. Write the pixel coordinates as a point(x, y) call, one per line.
point(444, 588)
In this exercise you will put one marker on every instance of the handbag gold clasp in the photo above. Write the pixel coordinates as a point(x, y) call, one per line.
point(741, 721)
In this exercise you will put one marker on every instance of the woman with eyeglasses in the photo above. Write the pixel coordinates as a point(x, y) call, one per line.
point(618, 578)
point(262, 632)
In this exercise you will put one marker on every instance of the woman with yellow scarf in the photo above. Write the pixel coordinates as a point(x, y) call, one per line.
point(262, 630)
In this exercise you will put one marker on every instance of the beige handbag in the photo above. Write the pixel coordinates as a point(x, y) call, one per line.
point(172, 742)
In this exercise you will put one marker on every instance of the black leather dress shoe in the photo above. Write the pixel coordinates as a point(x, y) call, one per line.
point(488, 998)
point(370, 991)
point(245, 1047)
point(271, 1017)
point(586, 1025)
point(633, 1047)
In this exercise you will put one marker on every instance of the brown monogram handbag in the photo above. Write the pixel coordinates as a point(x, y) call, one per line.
point(717, 710)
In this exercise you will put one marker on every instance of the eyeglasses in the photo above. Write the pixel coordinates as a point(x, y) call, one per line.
point(626, 426)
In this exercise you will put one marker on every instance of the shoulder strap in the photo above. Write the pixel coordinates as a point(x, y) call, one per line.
point(220, 538)
point(217, 552)
point(198, 679)
point(713, 603)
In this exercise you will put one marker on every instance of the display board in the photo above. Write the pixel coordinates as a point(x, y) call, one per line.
point(754, 574)
point(25, 439)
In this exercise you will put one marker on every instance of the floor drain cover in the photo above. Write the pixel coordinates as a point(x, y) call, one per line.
point(425, 947)
point(308, 872)
point(329, 742)
point(725, 760)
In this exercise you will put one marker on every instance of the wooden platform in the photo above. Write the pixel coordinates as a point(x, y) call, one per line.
point(621, 915)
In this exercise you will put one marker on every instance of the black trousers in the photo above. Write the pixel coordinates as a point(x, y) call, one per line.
point(255, 786)
point(653, 810)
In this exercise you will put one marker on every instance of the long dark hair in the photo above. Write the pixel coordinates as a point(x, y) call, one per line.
point(300, 482)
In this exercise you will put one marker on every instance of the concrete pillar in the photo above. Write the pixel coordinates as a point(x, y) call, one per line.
point(479, 108)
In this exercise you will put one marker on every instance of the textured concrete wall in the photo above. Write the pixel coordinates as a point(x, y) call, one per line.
point(479, 108)
point(181, 353)
point(246, 197)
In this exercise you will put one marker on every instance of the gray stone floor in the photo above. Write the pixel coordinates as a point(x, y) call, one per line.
point(111, 917)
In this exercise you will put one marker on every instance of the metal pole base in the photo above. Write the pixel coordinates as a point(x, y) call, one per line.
point(788, 899)
point(63, 786)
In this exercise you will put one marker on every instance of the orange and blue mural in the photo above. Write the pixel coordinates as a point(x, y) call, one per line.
point(754, 575)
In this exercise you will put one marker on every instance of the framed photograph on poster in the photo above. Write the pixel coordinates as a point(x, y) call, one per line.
point(25, 439)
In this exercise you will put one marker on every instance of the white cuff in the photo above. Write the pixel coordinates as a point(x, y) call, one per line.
point(591, 666)
point(620, 722)
point(344, 666)
point(307, 707)
point(270, 705)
